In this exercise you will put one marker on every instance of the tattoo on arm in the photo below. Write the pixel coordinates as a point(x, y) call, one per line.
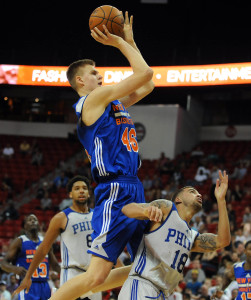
point(161, 203)
point(207, 241)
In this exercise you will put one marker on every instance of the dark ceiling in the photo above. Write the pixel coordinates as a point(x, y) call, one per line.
point(177, 33)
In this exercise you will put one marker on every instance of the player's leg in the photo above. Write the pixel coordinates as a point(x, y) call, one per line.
point(96, 274)
point(112, 229)
point(67, 274)
point(116, 278)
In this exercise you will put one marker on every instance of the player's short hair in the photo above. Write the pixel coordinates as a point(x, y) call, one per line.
point(178, 192)
point(247, 243)
point(73, 69)
point(75, 179)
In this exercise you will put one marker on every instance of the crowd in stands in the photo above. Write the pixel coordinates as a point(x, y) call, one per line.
point(161, 178)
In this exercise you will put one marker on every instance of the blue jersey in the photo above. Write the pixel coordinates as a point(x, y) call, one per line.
point(26, 255)
point(110, 142)
point(243, 277)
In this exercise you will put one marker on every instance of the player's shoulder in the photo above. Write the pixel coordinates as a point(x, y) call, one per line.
point(58, 220)
point(238, 264)
point(23, 238)
point(60, 215)
point(66, 211)
point(19, 240)
point(71, 213)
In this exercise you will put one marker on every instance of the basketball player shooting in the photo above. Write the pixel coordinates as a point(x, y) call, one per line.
point(108, 135)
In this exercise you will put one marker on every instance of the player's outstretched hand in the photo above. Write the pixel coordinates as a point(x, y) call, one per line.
point(105, 38)
point(221, 186)
point(25, 284)
point(154, 213)
point(128, 31)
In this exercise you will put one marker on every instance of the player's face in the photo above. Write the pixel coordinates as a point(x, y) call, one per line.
point(91, 78)
point(31, 223)
point(192, 198)
point(80, 192)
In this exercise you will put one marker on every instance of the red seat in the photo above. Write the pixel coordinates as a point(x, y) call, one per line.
point(8, 223)
point(212, 228)
point(2, 233)
point(9, 234)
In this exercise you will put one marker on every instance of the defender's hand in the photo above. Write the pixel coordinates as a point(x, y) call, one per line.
point(221, 186)
point(154, 213)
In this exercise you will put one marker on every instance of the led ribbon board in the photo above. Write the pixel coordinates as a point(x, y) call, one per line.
point(164, 76)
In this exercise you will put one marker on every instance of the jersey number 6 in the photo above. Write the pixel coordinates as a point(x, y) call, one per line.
point(129, 139)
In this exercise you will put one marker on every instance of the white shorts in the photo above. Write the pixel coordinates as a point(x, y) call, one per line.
point(67, 274)
point(134, 289)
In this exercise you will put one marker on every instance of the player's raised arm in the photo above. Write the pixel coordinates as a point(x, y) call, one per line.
point(149, 86)
point(99, 98)
point(142, 73)
point(137, 62)
point(207, 242)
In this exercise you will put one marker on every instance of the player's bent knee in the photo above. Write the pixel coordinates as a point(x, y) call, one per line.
point(98, 279)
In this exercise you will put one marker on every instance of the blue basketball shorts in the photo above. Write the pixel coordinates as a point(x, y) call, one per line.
point(39, 290)
point(113, 231)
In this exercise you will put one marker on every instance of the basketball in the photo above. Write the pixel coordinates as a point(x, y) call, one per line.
point(109, 16)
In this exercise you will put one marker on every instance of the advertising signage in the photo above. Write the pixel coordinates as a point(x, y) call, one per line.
point(164, 76)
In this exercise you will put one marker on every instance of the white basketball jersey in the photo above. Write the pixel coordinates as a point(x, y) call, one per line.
point(76, 239)
point(163, 253)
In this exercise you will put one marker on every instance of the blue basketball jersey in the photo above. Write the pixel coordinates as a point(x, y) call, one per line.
point(110, 142)
point(243, 277)
point(26, 255)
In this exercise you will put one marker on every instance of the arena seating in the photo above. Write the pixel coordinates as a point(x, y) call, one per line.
point(19, 167)
point(55, 150)
point(23, 174)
